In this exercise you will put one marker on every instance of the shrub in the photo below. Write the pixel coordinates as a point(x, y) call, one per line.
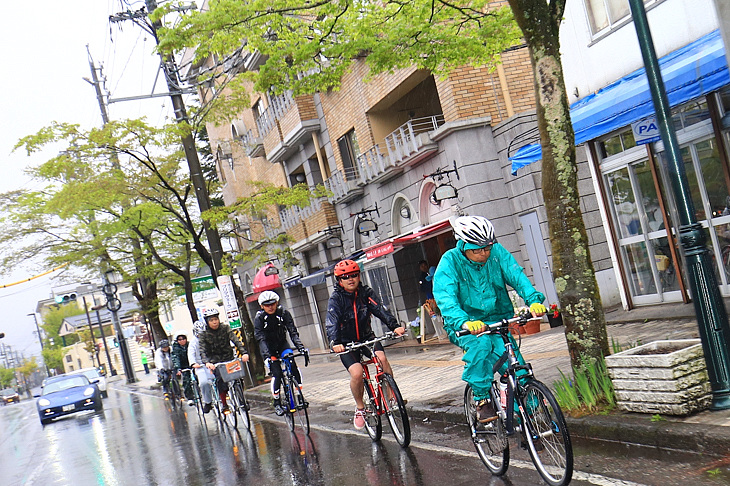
point(589, 392)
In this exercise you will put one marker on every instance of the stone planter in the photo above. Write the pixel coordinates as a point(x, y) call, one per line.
point(664, 377)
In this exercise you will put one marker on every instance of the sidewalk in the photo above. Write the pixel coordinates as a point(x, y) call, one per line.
point(429, 376)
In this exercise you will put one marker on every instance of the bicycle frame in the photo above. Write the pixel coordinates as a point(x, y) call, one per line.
point(513, 365)
point(373, 382)
point(286, 359)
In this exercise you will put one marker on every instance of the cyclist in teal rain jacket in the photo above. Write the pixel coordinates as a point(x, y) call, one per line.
point(470, 290)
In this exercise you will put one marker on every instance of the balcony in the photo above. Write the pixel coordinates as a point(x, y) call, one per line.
point(301, 223)
point(376, 166)
point(297, 118)
point(410, 143)
point(345, 185)
point(254, 145)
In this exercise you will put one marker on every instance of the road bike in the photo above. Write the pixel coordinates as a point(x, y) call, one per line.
point(232, 372)
point(537, 418)
point(382, 396)
point(171, 388)
point(292, 398)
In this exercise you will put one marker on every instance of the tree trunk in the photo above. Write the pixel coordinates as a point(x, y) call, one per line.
point(585, 325)
point(257, 364)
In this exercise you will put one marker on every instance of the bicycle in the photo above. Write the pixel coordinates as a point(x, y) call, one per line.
point(197, 397)
point(171, 387)
point(382, 396)
point(292, 398)
point(232, 373)
point(545, 434)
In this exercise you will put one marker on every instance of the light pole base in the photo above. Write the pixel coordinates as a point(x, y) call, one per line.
point(720, 401)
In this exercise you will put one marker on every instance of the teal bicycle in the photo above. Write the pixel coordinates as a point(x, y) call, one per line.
point(525, 407)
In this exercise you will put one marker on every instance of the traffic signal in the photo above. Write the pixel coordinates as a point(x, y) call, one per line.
point(65, 298)
point(116, 342)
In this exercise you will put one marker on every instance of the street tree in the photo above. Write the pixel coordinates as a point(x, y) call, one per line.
point(7, 375)
point(308, 46)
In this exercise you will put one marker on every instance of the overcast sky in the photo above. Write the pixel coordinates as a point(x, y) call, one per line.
point(44, 61)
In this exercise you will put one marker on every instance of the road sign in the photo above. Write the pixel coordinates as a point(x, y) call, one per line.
point(225, 285)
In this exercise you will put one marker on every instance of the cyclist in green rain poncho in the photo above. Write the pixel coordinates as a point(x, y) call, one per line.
point(470, 288)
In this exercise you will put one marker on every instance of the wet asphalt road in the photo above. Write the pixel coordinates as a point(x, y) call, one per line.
point(137, 440)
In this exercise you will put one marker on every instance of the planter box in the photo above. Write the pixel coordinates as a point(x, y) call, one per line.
point(665, 377)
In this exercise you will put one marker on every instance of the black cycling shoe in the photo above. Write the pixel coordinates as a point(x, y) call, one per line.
point(207, 407)
point(277, 407)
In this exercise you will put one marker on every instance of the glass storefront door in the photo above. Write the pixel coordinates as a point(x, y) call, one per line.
point(636, 199)
point(644, 246)
point(708, 185)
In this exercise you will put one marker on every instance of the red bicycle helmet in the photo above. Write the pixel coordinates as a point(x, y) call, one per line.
point(346, 267)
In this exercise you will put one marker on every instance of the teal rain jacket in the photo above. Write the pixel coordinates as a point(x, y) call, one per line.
point(469, 291)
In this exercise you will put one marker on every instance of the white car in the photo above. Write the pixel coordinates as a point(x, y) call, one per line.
point(94, 377)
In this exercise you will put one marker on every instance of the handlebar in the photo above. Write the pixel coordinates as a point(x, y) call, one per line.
point(496, 327)
point(293, 355)
point(352, 346)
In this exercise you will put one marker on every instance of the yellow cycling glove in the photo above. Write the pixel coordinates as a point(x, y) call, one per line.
point(474, 325)
point(538, 308)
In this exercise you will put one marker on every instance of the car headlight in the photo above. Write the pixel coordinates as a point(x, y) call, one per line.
point(89, 391)
point(44, 402)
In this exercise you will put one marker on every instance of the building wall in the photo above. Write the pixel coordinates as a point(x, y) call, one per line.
point(673, 24)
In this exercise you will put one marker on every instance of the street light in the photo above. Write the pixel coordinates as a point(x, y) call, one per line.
point(114, 304)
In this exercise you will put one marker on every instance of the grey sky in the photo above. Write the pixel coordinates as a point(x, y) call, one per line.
point(44, 61)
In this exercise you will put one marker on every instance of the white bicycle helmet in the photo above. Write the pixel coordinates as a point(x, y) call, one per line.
point(180, 333)
point(210, 313)
point(268, 297)
point(198, 328)
point(476, 230)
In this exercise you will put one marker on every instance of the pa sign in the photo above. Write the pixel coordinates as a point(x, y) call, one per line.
point(646, 131)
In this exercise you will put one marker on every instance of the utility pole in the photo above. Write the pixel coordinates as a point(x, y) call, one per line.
point(196, 174)
point(40, 339)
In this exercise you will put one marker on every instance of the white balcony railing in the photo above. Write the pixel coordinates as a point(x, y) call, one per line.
point(266, 121)
point(344, 184)
point(293, 215)
point(374, 164)
point(405, 140)
point(251, 143)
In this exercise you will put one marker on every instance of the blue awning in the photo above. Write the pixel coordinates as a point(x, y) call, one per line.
point(696, 69)
point(525, 156)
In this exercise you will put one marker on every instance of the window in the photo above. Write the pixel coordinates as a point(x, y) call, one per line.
point(605, 14)
point(69, 358)
point(616, 143)
point(349, 151)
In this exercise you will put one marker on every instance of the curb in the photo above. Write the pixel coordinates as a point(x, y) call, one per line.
point(636, 429)
point(622, 428)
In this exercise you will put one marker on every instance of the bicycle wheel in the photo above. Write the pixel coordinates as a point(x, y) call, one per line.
point(490, 440)
point(300, 406)
point(373, 425)
point(287, 404)
point(232, 407)
point(548, 440)
point(395, 409)
point(241, 403)
point(197, 399)
point(174, 389)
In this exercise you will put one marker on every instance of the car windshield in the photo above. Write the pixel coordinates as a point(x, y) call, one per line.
point(91, 374)
point(64, 384)
point(8, 392)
